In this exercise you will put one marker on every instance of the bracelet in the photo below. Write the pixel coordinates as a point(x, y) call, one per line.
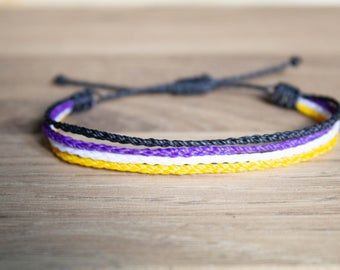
point(162, 156)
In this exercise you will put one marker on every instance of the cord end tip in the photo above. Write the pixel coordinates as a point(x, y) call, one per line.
point(295, 61)
point(60, 80)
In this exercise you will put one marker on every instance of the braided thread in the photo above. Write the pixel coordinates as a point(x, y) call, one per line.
point(151, 142)
point(256, 152)
point(179, 151)
point(195, 169)
point(236, 158)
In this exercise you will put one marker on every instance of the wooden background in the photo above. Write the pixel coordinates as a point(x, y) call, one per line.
point(58, 216)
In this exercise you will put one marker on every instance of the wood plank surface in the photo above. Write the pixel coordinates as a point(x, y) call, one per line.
point(58, 216)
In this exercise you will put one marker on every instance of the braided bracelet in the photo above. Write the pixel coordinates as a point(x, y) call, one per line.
point(162, 156)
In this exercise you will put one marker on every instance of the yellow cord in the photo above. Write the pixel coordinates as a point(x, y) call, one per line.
point(199, 168)
point(315, 115)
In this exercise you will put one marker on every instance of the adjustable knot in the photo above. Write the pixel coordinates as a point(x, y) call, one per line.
point(285, 95)
point(192, 86)
point(83, 100)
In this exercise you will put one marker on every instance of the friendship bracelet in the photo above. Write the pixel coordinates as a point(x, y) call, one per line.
point(162, 156)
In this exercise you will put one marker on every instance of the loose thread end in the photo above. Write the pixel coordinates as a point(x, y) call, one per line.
point(60, 80)
point(295, 61)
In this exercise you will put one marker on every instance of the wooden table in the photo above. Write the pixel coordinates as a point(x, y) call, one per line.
point(59, 216)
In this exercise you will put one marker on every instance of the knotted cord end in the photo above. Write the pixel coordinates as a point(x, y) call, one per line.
point(60, 80)
point(285, 95)
point(83, 100)
point(295, 61)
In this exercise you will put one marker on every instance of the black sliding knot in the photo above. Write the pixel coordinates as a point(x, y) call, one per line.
point(83, 100)
point(192, 86)
point(285, 95)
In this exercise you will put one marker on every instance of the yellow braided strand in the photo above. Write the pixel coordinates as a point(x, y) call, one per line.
point(315, 115)
point(199, 168)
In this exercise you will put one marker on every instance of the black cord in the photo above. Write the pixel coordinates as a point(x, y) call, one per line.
point(192, 85)
point(282, 94)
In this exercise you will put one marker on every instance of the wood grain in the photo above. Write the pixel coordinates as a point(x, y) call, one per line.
point(57, 216)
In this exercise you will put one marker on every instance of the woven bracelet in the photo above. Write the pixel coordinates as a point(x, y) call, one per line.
point(161, 156)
